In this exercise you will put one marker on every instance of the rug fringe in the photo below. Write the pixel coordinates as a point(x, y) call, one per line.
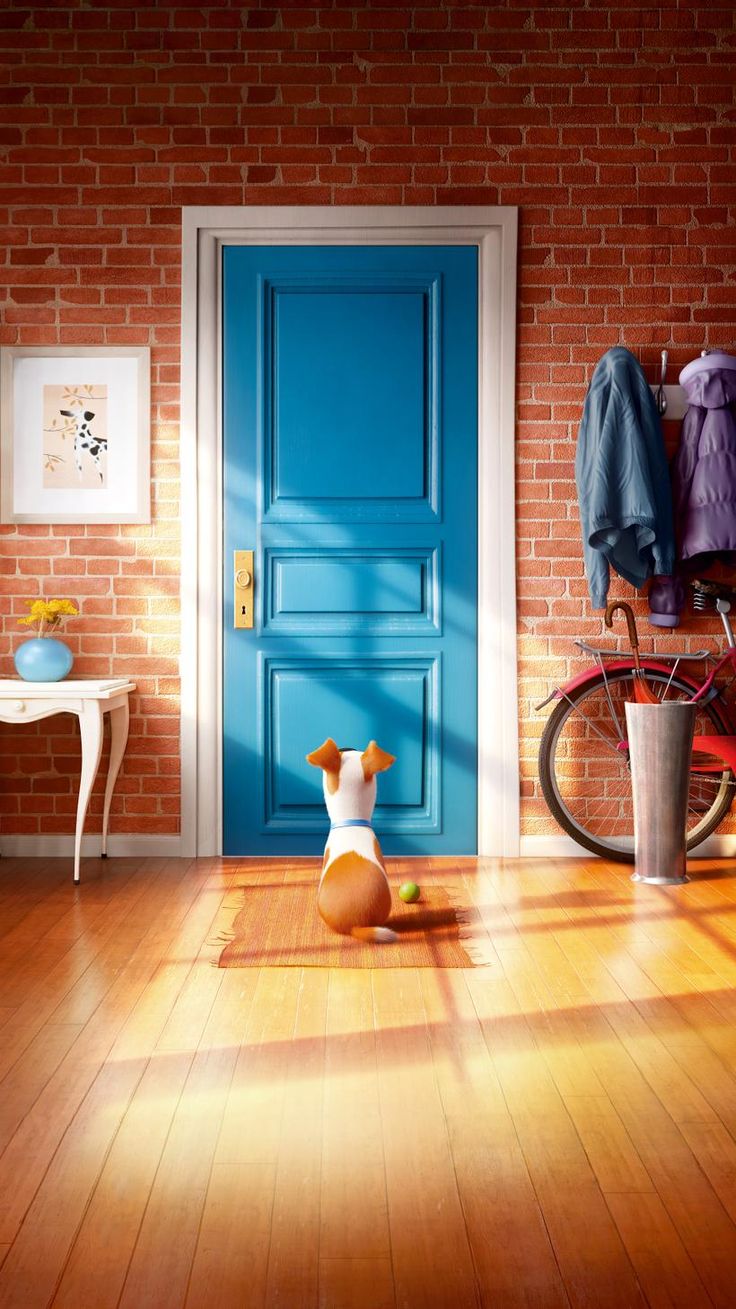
point(235, 901)
point(473, 937)
point(222, 938)
point(224, 933)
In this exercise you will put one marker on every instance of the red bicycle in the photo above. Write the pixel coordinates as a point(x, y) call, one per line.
point(583, 755)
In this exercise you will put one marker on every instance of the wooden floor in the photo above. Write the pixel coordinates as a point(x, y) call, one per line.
point(558, 1128)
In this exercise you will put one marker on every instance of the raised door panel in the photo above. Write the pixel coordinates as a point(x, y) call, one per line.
point(349, 395)
point(392, 698)
point(341, 590)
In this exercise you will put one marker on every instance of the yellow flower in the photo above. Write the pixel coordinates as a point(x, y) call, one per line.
point(47, 612)
point(61, 607)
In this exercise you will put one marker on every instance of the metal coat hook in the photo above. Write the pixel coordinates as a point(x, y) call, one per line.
point(661, 398)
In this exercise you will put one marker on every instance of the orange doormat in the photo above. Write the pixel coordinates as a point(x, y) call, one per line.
point(278, 926)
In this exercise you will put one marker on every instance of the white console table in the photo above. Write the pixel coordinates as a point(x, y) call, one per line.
point(90, 699)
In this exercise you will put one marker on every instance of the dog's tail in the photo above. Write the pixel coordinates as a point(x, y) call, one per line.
point(383, 934)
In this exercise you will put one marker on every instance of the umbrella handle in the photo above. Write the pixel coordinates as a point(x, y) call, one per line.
point(628, 613)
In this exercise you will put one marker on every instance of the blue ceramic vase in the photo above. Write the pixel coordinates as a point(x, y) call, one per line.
point(43, 659)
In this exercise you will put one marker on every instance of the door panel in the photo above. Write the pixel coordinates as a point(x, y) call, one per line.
point(350, 453)
point(349, 590)
point(398, 693)
point(348, 395)
point(348, 379)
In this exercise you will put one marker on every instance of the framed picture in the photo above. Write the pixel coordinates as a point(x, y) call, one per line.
point(75, 434)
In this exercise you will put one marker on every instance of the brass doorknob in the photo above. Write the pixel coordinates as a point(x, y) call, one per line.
point(244, 588)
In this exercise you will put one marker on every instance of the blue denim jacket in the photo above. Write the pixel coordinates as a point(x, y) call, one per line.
point(622, 478)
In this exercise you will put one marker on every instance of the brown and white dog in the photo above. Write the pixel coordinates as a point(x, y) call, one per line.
point(354, 896)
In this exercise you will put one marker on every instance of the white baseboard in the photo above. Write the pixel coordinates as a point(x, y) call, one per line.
point(50, 847)
point(557, 846)
point(554, 846)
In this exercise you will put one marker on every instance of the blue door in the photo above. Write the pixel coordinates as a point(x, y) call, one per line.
point(350, 469)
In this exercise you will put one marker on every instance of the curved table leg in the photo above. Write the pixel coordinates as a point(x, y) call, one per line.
point(90, 726)
point(119, 720)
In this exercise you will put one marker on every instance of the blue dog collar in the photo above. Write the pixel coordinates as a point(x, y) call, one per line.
point(351, 822)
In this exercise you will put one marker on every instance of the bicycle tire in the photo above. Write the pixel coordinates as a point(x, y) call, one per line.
point(547, 750)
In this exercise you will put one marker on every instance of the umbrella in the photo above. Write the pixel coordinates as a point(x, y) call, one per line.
point(642, 693)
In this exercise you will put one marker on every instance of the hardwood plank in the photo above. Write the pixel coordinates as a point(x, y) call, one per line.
point(48, 983)
point(28, 1154)
point(551, 1024)
point(23, 884)
point(514, 1260)
point(606, 1142)
point(98, 1265)
point(555, 1029)
point(164, 1250)
point(666, 1013)
point(352, 1139)
point(356, 1283)
point(293, 1263)
point(432, 1261)
point(231, 1259)
point(596, 1271)
point(27, 1079)
point(59, 920)
point(714, 1149)
point(666, 1273)
point(697, 1009)
point(251, 1126)
point(100, 1254)
point(703, 1226)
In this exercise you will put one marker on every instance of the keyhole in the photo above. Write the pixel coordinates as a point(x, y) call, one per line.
point(242, 611)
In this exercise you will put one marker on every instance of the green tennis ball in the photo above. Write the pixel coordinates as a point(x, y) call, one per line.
point(409, 892)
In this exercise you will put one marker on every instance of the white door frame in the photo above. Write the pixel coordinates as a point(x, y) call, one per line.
point(205, 230)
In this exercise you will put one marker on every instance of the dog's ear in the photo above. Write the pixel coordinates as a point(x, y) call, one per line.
point(328, 758)
point(375, 760)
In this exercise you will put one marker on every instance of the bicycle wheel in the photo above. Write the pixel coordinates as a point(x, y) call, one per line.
point(585, 777)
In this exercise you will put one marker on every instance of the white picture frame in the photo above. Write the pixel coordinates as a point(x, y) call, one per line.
point(91, 461)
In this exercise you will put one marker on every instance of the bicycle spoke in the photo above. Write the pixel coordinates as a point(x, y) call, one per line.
point(614, 715)
point(606, 740)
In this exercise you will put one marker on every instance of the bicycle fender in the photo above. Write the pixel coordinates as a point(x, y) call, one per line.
point(589, 675)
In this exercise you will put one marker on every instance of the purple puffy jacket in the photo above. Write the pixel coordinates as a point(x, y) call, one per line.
point(703, 484)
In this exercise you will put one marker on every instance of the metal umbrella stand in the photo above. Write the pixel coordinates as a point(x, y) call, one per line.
point(660, 748)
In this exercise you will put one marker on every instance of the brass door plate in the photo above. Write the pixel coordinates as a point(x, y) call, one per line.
point(243, 588)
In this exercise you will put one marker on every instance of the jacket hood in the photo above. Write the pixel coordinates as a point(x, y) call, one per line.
point(711, 388)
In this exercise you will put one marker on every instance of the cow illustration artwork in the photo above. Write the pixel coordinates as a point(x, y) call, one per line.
point(84, 440)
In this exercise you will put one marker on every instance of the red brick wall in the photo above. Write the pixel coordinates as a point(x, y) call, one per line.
point(610, 126)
